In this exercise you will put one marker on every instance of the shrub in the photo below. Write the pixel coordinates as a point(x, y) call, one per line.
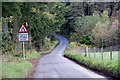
point(72, 44)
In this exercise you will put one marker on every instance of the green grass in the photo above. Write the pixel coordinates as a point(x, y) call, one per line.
point(16, 70)
point(109, 66)
point(33, 55)
point(16, 67)
point(43, 52)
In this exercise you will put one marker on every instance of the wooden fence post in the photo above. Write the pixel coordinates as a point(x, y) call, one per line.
point(102, 52)
point(94, 52)
point(110, 52)
point(89, 51)
point(86, 51)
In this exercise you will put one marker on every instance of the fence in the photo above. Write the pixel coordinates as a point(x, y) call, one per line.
point(0, 42)
point(110, 53)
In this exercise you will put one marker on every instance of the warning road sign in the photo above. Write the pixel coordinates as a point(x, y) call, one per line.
point(23, 29)
point(23, 36)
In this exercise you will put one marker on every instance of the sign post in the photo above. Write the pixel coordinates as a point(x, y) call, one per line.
point(23, 50)
point(23, 36)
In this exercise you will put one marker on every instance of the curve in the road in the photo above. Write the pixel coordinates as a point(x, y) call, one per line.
point(54, 65)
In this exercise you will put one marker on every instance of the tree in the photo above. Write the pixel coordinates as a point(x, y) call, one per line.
point(75, 10)
point(102, 30)
point(83, 27)
point(100, 33)
point(44, 19)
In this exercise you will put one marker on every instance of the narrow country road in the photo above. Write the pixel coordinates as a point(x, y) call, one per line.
point(54, 65)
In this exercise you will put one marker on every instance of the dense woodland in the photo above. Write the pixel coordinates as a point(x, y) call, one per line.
point(95, 24)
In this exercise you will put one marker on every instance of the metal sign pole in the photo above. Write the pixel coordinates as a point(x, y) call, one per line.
point(23, 50)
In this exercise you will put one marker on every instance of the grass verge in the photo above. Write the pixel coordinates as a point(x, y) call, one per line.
point(16, 67)
point(105, 66)
point(16, 70)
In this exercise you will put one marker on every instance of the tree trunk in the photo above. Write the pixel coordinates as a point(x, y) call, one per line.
point(102, 49)
point(110, 52)
point(15, 29)
point(17, 44)
point(5, 27)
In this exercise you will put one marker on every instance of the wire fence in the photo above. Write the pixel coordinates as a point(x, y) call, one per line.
point(110, 52)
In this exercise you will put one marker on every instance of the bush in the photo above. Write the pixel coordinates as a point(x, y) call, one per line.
point(72, 44)
point(47, 42)
point(6, 43)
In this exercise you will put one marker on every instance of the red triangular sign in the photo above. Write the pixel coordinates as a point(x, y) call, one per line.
point(23, 29)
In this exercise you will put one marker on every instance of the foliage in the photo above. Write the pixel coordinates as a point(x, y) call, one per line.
point(44, 20)
point(101, 34)
point(72, 44)
point(47, 43)
point(114, 37)
point(8, 19)
point(7, 45)
point(83, 28)
point(10, 9)
point(76, 44)
point(96, 29)
point(74, 20)
point(84, 17)
point(86, 23)
point(85, 39)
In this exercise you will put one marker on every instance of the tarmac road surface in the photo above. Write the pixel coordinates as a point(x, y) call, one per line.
point(55, 65)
